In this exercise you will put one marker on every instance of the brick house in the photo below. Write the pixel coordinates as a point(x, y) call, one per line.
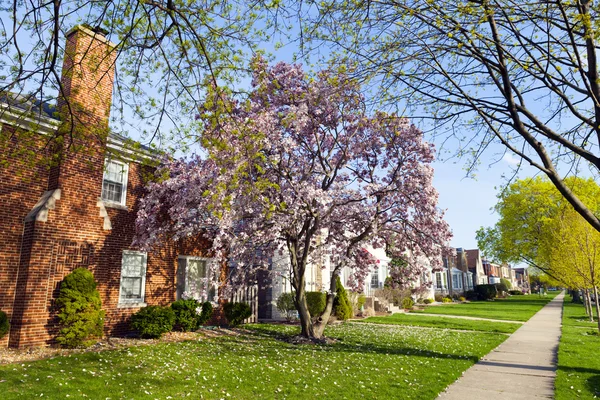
point(81, 212)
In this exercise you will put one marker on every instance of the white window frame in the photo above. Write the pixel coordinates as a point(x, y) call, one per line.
point(123, 201)
point(439, 282)
point(134, 302)
point(209, 261)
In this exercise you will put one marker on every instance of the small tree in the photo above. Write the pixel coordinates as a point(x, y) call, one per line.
point(285, 305)
point(343, 308)
point(80, 315)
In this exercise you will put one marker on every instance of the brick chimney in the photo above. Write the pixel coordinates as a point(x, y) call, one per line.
point(84, 104)
point(88, 74)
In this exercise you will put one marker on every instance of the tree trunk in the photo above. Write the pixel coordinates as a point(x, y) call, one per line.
point(597, 307)
point(588, 301)
point(576, 298)
point(305, 318)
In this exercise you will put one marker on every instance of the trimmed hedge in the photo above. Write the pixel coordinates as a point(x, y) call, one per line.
point(190, 314)
point(316, 302)
point(486, 292)
point(4, 324)
point(428, 301)
point(80, 314)
point(152, 321)
point(515, 292)
point(236, 313)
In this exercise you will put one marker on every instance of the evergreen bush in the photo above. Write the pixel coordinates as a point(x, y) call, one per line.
point(152, 321)
point(190, 314)
point(4, 324)
point(80, 314)
point(316, 302)
point(515, 293)
point(504, 285)
point(428, 301)
point(236, 313)
point(285, 305)
point(341, 304)
point(447, 300)
point(407, 303)
point(439, 298)
point(486, 292)
point(471, 295)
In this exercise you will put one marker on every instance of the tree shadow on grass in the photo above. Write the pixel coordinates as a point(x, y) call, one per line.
point(342, 345)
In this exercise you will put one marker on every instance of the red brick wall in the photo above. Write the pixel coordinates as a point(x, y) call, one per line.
point(20, 188)
point(35, 256)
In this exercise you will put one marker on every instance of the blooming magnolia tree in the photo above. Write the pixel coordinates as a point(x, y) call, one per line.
point(302, 169)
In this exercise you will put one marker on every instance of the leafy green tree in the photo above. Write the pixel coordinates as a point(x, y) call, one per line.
point(539, 227)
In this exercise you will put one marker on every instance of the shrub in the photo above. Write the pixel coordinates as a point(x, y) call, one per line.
point(486, 292)
point(236, 313)
point(361, 301)
point(461, 298)
point(438, 297)
point(503, 286)
point(80, 314)
point(506, 285)
point(407, 303)
point(446, 300)
point(341, 304)
point(190, 314)
point(428, 301)
point(285, 305)
point(420, 300)
point(515, 292)
point(153, 321)
point(316, 303)
point(388, 295)
point(471, 295)
point(4, 324)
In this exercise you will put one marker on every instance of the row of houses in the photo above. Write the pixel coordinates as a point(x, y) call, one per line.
point(80, 212)
point(460, 273)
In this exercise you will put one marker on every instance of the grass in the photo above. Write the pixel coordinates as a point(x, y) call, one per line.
point(514, 308)
point(366, 361)
point(444, 323)
point(578, 375)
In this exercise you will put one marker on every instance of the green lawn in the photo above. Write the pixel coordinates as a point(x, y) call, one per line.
point(366, 361)
point(444, 323)
point(514, 308)
point(578, 375)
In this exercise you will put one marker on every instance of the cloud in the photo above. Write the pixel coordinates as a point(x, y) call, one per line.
point(510, 159)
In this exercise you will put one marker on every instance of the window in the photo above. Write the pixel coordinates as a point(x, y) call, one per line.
point(438, 280)
point(456, 281)
point(374, 280)
point(195, 279)
point(114, 183)
point(133, 277)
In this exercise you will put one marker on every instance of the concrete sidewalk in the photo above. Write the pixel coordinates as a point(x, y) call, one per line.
point(523, 367)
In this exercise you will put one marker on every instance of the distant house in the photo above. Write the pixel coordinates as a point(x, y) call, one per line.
point(276, 281)
point(475, 265)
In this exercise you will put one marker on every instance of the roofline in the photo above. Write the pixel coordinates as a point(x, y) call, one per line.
point(49, 126)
